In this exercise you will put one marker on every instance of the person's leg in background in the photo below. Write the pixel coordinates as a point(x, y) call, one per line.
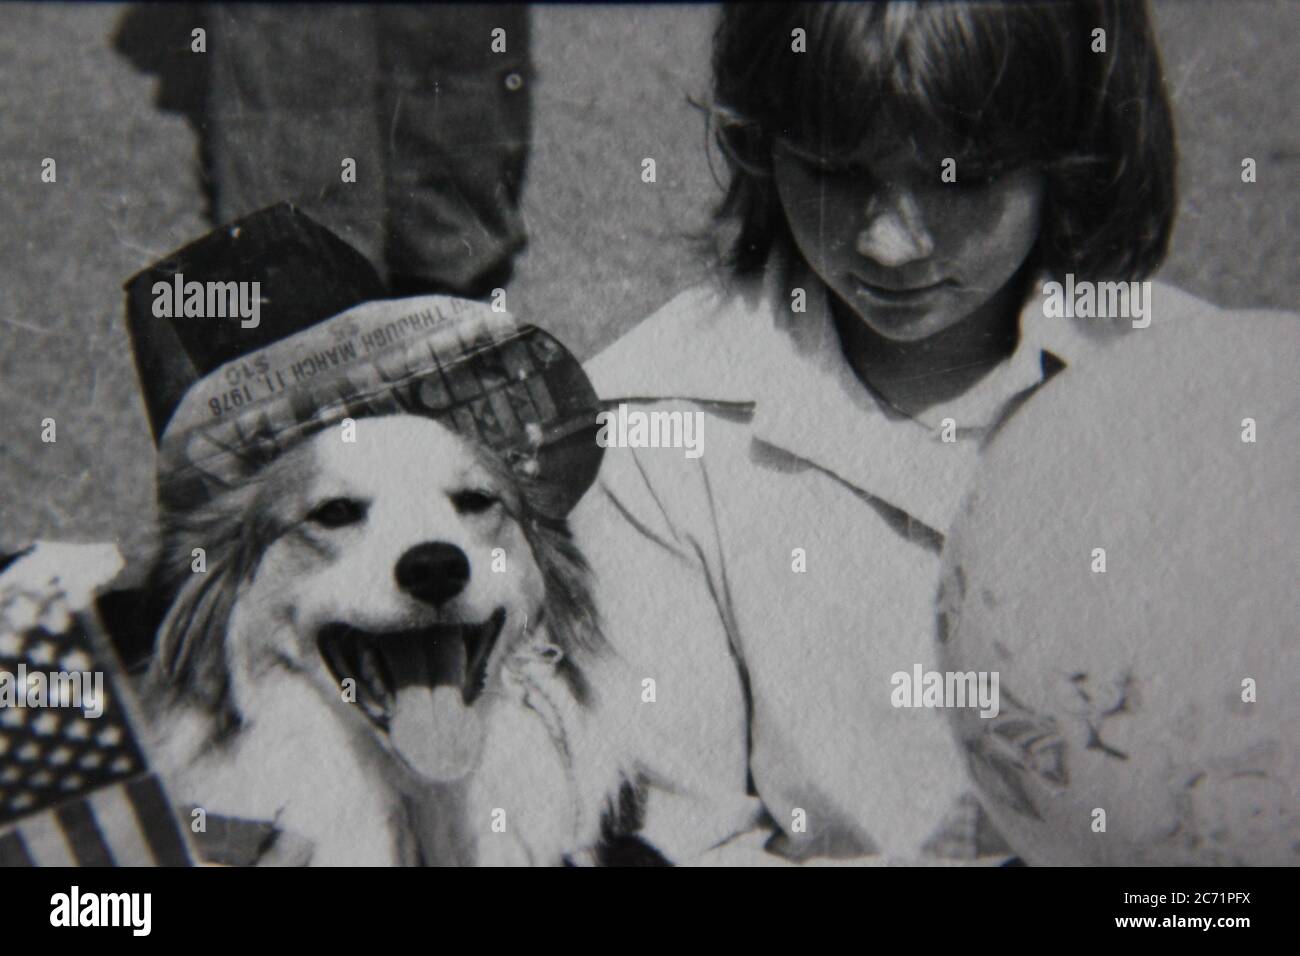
point(457, 126)
point(293, 94)
point(436, 121)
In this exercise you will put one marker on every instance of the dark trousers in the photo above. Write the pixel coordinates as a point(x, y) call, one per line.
point(437, 123)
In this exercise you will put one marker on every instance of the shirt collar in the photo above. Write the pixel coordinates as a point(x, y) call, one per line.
point(812, 405)
point(747, 345)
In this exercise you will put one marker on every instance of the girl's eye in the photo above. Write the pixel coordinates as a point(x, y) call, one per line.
point(977, 175)
point(337, 513)
point(828, 166)
point(840, 170)
point(472, 502)
point(821, 164)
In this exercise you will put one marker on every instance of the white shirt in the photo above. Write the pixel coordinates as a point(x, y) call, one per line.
point(772, 709)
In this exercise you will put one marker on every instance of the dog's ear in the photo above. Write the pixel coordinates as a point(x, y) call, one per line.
point(189, 661)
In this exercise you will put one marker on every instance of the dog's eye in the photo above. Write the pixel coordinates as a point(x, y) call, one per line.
point(338, 512)
point(472, 502)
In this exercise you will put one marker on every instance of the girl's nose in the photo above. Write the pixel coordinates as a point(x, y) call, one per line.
point(895, 232)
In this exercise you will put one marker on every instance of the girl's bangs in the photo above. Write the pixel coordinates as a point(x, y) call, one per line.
point(983, 83)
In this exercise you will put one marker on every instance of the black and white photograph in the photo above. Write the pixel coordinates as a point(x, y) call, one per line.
point(613, 435)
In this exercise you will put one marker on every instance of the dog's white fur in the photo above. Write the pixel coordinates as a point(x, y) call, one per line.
point(256, 726)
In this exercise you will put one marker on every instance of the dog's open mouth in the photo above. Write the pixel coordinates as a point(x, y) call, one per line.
point(418, 686)
point(381, 664)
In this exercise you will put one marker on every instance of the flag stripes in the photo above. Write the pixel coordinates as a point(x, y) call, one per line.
point(13, 852)
point(154, 813)
point(126, 824)
point(82, 834)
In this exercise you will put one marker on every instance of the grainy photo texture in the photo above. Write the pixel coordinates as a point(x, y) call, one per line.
point(746, 435)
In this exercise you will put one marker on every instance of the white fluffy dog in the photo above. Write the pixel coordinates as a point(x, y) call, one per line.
point(394, 655)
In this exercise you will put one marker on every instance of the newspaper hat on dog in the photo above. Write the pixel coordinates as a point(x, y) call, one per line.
point(225, 395)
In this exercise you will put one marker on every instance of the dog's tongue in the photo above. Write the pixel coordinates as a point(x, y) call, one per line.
point(430, 726)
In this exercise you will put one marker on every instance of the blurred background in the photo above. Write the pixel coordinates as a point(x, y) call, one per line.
point(608, 86)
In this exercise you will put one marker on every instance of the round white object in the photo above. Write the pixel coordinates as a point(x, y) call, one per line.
point(1149, 713)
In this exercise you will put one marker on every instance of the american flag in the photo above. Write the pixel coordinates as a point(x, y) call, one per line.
point(75, 789)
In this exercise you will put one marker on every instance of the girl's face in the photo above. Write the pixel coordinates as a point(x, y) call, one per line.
point(910, 254)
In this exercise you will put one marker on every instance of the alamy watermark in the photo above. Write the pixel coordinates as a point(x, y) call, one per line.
point(1098, 300)
point(133, 911)
point(36, 689)
point(627, 428)
point(208, 300)
point(922, 688)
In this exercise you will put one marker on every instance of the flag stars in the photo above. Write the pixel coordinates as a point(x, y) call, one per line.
point(72, 781)
point(92, 761)
point(111, 737)
point(11, 644)
point(77, 661)
point(42, 653)
point(60, 756)
point(46, 724)
point(28, 751)
point(78, 731)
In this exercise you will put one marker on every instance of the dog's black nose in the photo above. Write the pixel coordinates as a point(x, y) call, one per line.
point(434, 572)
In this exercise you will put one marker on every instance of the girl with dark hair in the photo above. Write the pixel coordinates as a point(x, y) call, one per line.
point(1050, 121)
point(906, 177)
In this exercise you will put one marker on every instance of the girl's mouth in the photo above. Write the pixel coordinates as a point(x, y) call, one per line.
point(899, 295)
